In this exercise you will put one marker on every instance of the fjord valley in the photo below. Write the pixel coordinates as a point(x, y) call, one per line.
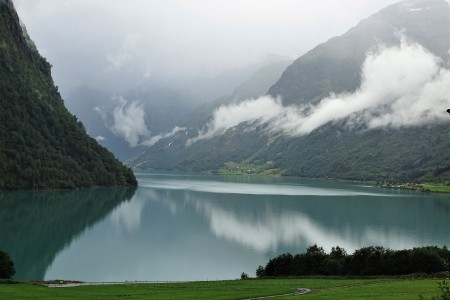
point(42, 144)
point(368, 104)
point(351, 108)
point(199, 142)
point(179, 227)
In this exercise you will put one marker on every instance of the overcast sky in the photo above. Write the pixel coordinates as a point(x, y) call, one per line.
point(96, 42)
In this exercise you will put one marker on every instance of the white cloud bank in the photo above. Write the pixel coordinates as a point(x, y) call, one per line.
point(125, 53)
point(129, 121)
point(401, 86)
point(100, 138)
point(154, 139)
point(262, 110)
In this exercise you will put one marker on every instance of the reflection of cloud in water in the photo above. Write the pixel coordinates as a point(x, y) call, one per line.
point(263, 234)
point(251, 189)
point(269, 233)
point(128, 214)
point(392, 237)
point(292, 229)
point(152, 196)
point(269, 226)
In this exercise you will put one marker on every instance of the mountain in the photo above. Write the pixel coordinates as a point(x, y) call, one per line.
point(95, 109)
point(161, 104)
point(105, 116)
point(340, 147)
point(254, 86)
point(41, 144)
point(335, 65)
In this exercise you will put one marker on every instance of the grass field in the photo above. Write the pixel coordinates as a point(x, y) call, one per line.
point(238, 289)
point(437, 188)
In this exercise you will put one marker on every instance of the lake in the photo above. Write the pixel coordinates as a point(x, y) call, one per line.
point(177, 227)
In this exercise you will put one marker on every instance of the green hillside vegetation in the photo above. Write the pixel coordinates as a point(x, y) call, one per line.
point(406, 154)
point(437, 188)
point(403, 155)
point(41, 144)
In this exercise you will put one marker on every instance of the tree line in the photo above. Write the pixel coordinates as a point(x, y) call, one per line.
point(366, 261)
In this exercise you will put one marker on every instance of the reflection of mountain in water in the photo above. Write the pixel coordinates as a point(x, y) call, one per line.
point(351, 217)
point(212, 227)
point(35, 226)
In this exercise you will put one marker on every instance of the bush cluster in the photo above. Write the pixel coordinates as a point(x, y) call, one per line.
point(363, 262)
point(7, 269)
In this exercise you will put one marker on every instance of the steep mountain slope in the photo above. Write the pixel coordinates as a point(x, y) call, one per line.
point(164, 104)
point(254, 86)
point(105, 115)
point(341, 147)
point(41, 144)
point(335, 66)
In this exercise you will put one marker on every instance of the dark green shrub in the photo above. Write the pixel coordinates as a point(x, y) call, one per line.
point(6, 266)
point(367, 261)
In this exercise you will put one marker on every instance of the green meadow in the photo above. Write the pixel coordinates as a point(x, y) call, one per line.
point(379, 288)
point(437, 188)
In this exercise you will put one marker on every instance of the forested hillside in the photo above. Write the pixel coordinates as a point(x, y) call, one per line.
point(381, 129)
point(41, 144)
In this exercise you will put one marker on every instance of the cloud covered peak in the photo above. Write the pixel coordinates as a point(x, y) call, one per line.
point(402, 85)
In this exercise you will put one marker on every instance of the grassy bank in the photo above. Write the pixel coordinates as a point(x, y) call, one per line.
point(437, 188)
point(238, 289)
point(423, 187)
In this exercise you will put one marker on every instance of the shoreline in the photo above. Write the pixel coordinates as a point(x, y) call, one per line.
point(420, 187)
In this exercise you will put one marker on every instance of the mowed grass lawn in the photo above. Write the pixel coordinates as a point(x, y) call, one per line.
point(238, 289)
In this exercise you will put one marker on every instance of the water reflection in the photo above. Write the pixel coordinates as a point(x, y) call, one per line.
point(209, 227)
point(127, 215)
point(35, 226)
point(192, 228)
point(348, 218)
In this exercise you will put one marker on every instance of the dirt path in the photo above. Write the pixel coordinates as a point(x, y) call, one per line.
point(298, 292)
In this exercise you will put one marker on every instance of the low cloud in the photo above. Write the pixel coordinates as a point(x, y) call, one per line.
point(401, 86)
point(261, 110)
point(100, 138)
point(117, 60)
point(102, 112)
point(154, 139)
point(129, 121)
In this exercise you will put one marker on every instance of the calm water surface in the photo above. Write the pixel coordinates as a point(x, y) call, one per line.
point(198, 227)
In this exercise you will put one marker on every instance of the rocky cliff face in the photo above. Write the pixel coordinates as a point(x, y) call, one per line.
point(41, 144)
